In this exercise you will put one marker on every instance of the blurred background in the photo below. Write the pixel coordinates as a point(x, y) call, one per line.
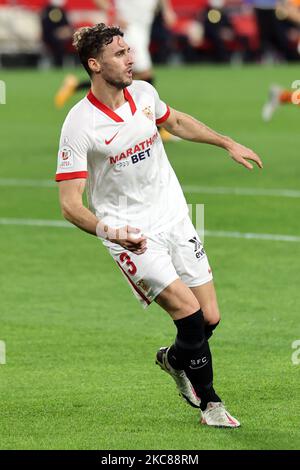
point(37, 33)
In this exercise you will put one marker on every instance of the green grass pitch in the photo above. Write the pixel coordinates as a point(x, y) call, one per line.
point(80, 370)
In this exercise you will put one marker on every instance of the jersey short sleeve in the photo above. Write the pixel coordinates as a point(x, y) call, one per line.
point(73, 150)
point(162, 110)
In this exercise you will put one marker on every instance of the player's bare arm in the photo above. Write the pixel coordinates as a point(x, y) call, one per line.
point(73, 210)
point(189, 128)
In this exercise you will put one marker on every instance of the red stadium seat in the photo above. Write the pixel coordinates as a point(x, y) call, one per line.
point(188, 8)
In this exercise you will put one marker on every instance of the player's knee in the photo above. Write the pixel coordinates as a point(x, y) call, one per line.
point(211, 314)
point(186, 309)
point(180, 309)
point(178, 302)
point(214, 319)
point(186, 303)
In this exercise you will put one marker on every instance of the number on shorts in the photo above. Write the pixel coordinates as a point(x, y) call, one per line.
point(125, 258)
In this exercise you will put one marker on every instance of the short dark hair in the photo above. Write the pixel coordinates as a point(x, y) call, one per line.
point(89, 41)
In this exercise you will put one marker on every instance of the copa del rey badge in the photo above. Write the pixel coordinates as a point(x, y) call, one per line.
point(66, 157)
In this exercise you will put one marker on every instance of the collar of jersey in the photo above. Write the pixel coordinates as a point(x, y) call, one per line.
point(108, 111)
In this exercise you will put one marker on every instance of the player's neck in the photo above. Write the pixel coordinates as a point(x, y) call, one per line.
point(108, 94)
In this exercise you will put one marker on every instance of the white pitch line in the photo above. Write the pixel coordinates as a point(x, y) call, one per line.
point(253, 236)
point(22, 183)
point(293, 193)
point(208, 233)
point(36, 223)
point(290, 193)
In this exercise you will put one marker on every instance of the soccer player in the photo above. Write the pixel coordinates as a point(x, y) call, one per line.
point(277, 97)
point(289, 10)
point(137, 208)
point(56, 30)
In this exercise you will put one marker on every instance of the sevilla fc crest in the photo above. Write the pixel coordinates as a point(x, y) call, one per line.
point(148, 113)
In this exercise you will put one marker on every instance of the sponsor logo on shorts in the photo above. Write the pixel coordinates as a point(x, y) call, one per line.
point(143, 285)
point(198, 247)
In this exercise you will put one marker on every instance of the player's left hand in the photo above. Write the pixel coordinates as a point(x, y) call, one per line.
point(242, 154)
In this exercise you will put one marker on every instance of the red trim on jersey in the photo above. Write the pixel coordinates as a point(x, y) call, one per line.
point(130, 100)
point(164, 117)
point(108, 111)
point(134, 286)
point(105, 109)
point(71, 176)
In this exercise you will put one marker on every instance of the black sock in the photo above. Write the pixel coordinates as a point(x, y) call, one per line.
point(209, 329)
point(192, 354)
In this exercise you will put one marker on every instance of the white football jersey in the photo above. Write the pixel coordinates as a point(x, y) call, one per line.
point(136, 11)
point(130, 179)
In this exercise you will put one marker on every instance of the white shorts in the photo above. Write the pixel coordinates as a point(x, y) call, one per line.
point(175, 253)
point(138, 39)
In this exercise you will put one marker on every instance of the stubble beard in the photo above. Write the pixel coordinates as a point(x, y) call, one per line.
point(119, 84)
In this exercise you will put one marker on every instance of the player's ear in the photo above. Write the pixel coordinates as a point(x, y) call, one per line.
point(94, 65)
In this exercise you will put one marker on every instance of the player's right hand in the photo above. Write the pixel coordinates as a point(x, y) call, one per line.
point(131, 239)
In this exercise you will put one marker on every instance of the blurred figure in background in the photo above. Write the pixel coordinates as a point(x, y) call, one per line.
point(218, 29)
point(289, 10)
point(211, 34)
point(136, 17)
point(272, 30)
point(56, 30)
point(162, 40)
